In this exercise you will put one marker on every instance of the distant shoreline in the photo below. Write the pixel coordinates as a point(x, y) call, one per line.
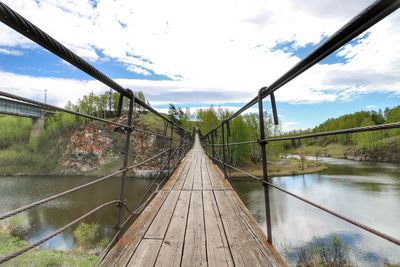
point(284, 167)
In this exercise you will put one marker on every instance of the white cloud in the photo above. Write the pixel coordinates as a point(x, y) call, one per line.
point(215, 52)
point(10, 52)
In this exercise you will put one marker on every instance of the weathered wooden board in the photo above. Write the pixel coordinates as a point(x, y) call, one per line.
point(194, 250)
point(120, 254)
point(195, 220)
point(218, 252)
point(146, 253)
point(171, 248)
point(160, 223)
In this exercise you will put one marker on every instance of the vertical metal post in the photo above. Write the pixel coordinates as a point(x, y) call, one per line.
point(263, 145)
point(120, 104)
point(210, 146)
point(170, 149)
point(274, 110)
point(181, 145)
point(165, 127)
point(125, 163)
point(212, 143)
point(223, 148)
point(228, 147)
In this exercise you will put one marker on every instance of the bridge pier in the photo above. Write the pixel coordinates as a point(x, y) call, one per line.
point(37, 128)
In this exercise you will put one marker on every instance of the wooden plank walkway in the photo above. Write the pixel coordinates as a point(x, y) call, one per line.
point(196, 219)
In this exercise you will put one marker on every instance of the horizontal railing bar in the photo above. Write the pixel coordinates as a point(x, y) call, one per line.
point(386, 126)
point(150, 133)
point(53, 234)
point(137, 211)
point(234, 143)
point(337, 215)
point(163, 168)
point(37, 203)
point(149, 159)
point(34, 33)
point(364, 20)
point(55, 108)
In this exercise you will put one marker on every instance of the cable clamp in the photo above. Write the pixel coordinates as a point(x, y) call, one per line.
point(262, 142)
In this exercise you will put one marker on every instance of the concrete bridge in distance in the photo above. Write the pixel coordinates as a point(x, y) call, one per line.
point(27, 110)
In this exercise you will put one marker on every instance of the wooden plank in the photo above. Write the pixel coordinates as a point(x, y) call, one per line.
point(215, 180)
point(207, 226)
point(220, 177)
point(259, 236)
point(160, 223)
point(245, 251)
point(218, 252)
point(119, 255)
point(205, 176)
point(194, 250)
point(146, 253)
point(182, 178)
point(171, 248)
point(179, 174)
point(197, 181)
point(175, 176)
point(188, 185)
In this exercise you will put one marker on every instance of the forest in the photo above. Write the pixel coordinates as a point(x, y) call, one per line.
point(246, 127)
point(14, 131)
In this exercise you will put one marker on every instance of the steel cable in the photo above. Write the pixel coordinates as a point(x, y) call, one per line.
point(337, 215)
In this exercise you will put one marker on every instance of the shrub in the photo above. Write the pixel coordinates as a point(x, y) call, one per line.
point(17, 225)
point(87, 235)
point(332, 252)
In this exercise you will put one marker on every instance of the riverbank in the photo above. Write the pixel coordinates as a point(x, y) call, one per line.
point(41, 257)
point(282, 167)
point(385, 150)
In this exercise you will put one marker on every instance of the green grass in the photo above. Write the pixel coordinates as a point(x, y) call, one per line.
point(41, 257)
point(151, 122)
point(331, 150)
point(20, 159)
point(281, 167)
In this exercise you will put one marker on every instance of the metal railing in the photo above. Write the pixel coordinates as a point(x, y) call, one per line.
point(175, 152)
point(367, 18)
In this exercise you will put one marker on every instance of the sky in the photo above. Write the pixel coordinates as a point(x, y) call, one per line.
point(197, 53)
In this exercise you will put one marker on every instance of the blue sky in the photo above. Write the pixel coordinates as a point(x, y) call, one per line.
point(180, 57)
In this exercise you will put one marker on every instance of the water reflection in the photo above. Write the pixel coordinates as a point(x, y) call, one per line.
point(18, 191)
point(367, 192)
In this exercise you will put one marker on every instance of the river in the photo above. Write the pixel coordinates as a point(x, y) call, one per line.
point(18, 191)
point(367, 192)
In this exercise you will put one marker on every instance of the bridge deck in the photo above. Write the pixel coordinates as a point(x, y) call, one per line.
point(195, 220)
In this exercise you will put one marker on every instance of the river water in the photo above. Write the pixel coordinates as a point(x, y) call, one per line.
point(18, 191)
point(367, 192)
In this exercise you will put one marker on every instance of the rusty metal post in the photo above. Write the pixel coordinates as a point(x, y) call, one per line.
point(180, 146)
point(170, 148)
point(263, 145)
point(228, 147)
point(125, 163)
point(223, 148)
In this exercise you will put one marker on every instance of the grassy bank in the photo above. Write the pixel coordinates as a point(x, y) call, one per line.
point(41, 257)
point(385, 150)
point(281, 167)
